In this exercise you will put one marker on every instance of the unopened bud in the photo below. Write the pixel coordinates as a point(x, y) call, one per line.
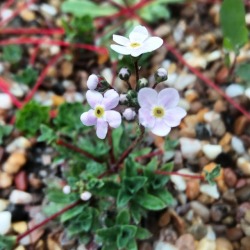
point(85, 196)
point(161, 75)
point(129, 114)
point(92, 81)
point(142, 83)
point(124, 74)
point(67, 189)
point(123, 98)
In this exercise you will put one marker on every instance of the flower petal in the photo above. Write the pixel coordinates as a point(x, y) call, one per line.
point(88, 118)
point(173, 116)
point(145, 118)
point(120, 49)
point(138, 51)
point(160, 128)
point(168, 98)
point(152, 43)
point(93, 98)
point(101, 128)
point(147, 97)
point(111, 99)
point(138, 34)
point(121, 40)
point(113, 118)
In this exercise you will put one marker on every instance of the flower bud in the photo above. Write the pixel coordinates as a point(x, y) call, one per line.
point(66, 189)
point(123, 98)
point(85, 196)
point(161, 75)
point(92, 81)
point(142, 83)
point(124, 74)
point(129, 114)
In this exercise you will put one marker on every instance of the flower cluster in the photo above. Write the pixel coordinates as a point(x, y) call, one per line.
point(156, 111)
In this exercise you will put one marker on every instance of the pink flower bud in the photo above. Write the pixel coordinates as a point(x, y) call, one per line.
point(129, 114)
point(92, 81)
point(86, 195)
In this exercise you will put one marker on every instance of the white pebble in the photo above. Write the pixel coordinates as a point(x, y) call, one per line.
point(5, 14)
point(160, 245)
point(54, 49)
point(5, 101)
point(210, 190)
point(247, 93)
point(18, 143)
point(187, 151)
point(211, 116)
point(184, 81)
point(234, 90)
point(20, 197)
point(237, 145)
point(5, 219)
point(211, 151)
point(48, 9)
point(210, 233)
point(179, 182)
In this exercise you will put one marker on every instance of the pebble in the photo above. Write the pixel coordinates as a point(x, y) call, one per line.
point(219, 211)
point(240, 125)
point(245, 243)
point(206, 244)
point(160, 245)
point(198, 230)
point(238, 145)
point(5, 180)
point(20, 197)
point(234, 233)
point(164, 219)
point(223, 244)
point(211, 151)
point(6, 102)
point(200, 210)
point(210, 190)
point(202, 131)
point(20, 227)
point(230, 177)
point(184, 81)
point(218, 127)
point(3, 204)
point(18, 143)
point(5, 218)
point(234, 90)
point(185, 242)
point(211, 116)
point(48, 9)
point(21, 181)
point(193, 189)
point(15, 162)
point(187, 151)
point(28, 15)
point(244, 165)
point(243, 193)
point(247, 93)
point(179, 182)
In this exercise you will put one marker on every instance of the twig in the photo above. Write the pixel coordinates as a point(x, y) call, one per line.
point(149, 155)
point(136, 71)
point(160, 172)
point(31, 31)
point(29, 231)
point(78, 150)
point(33, 55)
point(111, 151)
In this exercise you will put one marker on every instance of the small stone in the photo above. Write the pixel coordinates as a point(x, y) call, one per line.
point(6, 102)
point(210, 233)
point(243, 165)
point(211, 116)
point(187, 151)
point(240, 124)
point(206, 244)
point(234, 90)
point(198, 231)
point(48, 9)
point(247, 91)
point(193, 189)
point(20, 227)
point(57, 100)
point(14, 163)
point(184, 81)
point(20, 248)
point(225, 140)
point(237, 145)
point(222, 75)
point(179, 182)
point(185, 242)
point(5, 180)
point(219, 211)
point(5, 218)
point(234, 234)
point(164, 219)
point(53, 245)
point(220, 106)
point(20, 197)
point(200, 210)
point(243, 193)
point(21, 181)
point(245, 227)
point(28, 15)
point(3, 204)
point(210, 190)
point(18, 143)
point(223, 244)
point(163, 30)
point(160, 245)
point(211, 151)
point(202, 132)
point(66, 69)
point(230, 177)
point(218, 127)
point(245, 243)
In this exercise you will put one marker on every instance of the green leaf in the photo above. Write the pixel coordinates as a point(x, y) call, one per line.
point(243, 71)
point(132, 245)
point(95, 168)
point(126, 234)
point(134, 184)
point(58, 196)
point(12, 53)
point(210, 176)
point(136, 211)
point(5, 130)
point(142, 234)
point(71, 213)
point(123, 198)
point(130, 167)
point(108, 234)
point(7, 242)
point(30, 117)
point(149, 201)
point(47, 134)
point(108, 189)
point(123, 218)
point(232, 18)
point(116, 137)
point(164, 195)
point(28, 76)
point(159, 181)
point(82, 8)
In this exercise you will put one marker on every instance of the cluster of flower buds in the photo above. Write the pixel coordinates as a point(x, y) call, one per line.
point(85, 196)
point(156, 111)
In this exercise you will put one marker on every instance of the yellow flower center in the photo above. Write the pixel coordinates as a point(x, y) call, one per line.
point(99, 111)
point(135, 45)
point(158, 112)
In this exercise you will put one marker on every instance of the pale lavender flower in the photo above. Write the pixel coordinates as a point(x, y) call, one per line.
point(100, 113)
point(138, 43)
point(159, 111)
point(129, 114)
point(92, 81)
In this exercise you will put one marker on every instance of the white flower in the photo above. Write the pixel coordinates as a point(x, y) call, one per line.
point(66, 189)
point(92, 81)
point(138, 43)
point(129, 114)
point(123, 98)
point(85, 196)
